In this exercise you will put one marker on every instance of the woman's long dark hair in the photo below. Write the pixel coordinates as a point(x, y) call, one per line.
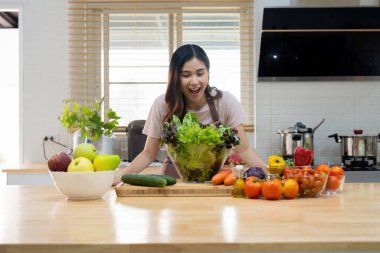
point(175, 101)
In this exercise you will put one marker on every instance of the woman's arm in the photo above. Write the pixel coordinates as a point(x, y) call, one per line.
point(248, 154)
point(146, 157)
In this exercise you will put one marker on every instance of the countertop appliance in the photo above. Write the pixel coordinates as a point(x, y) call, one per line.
point(297, 136)
point(358, 151)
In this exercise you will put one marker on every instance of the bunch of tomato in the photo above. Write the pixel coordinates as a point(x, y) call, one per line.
point(273, 189)
point(299, 181)
point(335, 176)
point(311, 182)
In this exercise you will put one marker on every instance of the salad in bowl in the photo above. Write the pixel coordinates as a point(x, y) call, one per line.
point(198, 151)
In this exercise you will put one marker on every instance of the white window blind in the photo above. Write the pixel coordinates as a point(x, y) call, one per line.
point(121, 49)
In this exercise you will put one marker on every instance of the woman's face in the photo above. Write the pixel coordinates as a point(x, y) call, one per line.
point(194, 80)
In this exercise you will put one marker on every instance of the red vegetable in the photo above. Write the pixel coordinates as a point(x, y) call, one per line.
point(303, 156)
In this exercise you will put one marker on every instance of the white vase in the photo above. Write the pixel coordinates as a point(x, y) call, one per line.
point(104, 145)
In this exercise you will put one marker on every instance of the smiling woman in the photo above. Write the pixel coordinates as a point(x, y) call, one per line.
point(9, 100)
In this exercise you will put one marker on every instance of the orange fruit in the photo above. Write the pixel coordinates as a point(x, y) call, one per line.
point(290, 189)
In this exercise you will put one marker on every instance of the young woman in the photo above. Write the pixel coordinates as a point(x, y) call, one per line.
point(188, 90)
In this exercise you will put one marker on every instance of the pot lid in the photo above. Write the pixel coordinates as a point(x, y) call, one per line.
point(299, 128)
point(358, 136)
point(358, 133)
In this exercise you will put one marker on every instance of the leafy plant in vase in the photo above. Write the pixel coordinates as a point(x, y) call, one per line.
point(88, 120)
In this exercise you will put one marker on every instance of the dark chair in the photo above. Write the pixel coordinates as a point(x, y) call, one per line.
point(136, 139)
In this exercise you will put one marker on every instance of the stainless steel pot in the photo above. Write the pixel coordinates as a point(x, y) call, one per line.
point(296, 136)
point(291, 139)
point(358, 145)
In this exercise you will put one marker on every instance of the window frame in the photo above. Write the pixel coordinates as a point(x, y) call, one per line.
point(89, 8)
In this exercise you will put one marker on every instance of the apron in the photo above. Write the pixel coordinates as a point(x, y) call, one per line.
point(167, 167)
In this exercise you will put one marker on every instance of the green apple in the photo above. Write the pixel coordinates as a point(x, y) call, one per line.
point(80, 164)
point(85, 150)
point(106, 162)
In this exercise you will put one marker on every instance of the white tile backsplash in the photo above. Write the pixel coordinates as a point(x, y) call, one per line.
point(346, 105)
point(344, 111)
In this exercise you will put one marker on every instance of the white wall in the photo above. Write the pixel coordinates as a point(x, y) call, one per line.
point(279, 105)
point(346, 105)
point(44, 71)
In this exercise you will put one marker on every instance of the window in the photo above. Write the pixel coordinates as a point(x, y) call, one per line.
point(10, 146)
point(122, 50)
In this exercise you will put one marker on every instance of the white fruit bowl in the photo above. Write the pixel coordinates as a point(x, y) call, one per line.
point(83, 185)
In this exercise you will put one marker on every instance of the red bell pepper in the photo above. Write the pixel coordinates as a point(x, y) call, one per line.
point(303, 156)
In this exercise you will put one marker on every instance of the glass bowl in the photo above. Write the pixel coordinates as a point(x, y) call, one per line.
point(311, 182)
point(335, 184)
point(197, 162)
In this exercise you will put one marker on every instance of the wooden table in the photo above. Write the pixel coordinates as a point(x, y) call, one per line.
point(39, 219)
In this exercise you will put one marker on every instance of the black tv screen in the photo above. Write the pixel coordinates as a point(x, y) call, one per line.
point(320, 43)
point(313, 54)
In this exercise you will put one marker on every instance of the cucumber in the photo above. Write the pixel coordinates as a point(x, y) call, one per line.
point(143, 180)
point(169, 180)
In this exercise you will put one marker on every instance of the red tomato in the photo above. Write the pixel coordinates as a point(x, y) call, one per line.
point(333, 183)
point(272, 190)
point(287, 172)
point(323, 168)
point(252, 189)
point(290, 189)
point(251, 179)
point(336, 170)
point(307, 170)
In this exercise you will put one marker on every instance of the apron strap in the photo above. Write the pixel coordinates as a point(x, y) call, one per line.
point(213, 111)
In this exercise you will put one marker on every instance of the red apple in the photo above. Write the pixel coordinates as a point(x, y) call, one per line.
point(59, 162)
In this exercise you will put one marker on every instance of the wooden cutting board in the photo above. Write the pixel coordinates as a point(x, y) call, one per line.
point(179, 190)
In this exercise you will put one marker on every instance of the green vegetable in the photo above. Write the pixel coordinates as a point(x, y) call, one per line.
point(198, 151)
point(169, 180)
point(197, 162)
point(144, 180)
point(190, 131)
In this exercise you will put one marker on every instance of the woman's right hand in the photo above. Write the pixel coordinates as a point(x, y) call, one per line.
point(118, 176)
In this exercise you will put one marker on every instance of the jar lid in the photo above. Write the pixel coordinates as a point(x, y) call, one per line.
point(239, 167)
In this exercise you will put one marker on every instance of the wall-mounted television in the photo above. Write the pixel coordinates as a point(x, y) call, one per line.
point(320, 44)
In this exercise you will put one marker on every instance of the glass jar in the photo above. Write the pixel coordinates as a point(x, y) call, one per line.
point(238, 187)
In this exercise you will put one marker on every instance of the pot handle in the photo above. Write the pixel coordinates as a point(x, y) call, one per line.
point(336, 137)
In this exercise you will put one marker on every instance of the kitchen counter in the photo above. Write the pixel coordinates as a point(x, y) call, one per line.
point(39, 219)
point(38, 173)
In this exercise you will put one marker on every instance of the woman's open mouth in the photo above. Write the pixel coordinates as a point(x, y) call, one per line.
point(195, 91)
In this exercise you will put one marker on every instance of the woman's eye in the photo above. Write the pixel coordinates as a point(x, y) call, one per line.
point(185, 76)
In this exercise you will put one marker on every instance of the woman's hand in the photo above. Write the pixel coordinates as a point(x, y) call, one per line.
point(248, 154)
point(146, 157)
point(118, 176)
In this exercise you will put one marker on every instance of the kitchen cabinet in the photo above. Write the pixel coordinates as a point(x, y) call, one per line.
point(37, 218)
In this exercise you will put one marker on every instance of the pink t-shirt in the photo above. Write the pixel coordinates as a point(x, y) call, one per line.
point(230, 111)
